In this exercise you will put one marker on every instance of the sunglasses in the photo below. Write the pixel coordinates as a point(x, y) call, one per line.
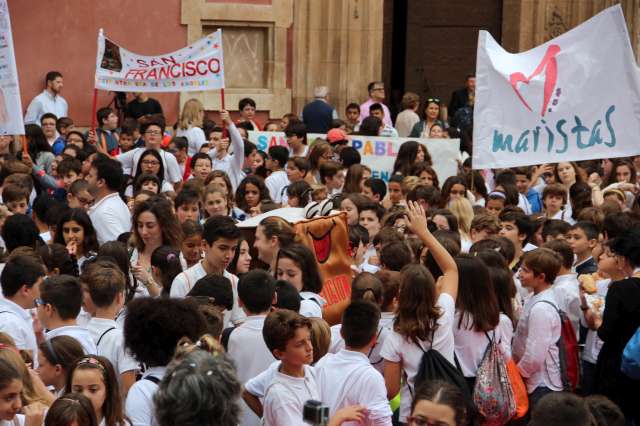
point(433, 100)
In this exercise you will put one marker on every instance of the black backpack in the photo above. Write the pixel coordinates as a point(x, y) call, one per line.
point(434, 366)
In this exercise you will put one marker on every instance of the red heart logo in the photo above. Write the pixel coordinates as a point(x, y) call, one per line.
point(549, 65)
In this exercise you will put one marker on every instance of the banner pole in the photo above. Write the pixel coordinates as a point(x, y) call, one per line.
point(94, 108)
point(23, 139)
point(222, 98)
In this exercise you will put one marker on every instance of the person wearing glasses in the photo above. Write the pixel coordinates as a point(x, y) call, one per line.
point(376, 96)
point(432, 112)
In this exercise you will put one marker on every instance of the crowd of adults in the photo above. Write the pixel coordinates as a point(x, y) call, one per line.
point(131, 297)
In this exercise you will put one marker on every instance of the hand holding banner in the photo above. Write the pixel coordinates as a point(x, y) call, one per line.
point(576, 97)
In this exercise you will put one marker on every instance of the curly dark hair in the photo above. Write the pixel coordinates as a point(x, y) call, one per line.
point(256, 181)
point(154, 326)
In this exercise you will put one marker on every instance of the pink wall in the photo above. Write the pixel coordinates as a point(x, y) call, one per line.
point(61, 35)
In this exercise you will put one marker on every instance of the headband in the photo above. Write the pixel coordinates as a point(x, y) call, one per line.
point(498, 194)
point(92, 361)
point(56, 360)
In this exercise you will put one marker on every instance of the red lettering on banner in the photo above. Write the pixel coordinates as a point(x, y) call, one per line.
point(172, 73)
point(169, 60)
point(203, 63)
point(152, 74)
point(217, 65)
point(142, 62)
point(189, 69)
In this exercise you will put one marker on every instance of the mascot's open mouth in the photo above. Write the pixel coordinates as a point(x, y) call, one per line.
point(322, 244)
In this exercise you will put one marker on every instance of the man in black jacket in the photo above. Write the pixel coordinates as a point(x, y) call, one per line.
point(463, 97)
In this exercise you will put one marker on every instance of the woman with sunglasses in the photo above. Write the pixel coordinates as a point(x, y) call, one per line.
point(432, 113)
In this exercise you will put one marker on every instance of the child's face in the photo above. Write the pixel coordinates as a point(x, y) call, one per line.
point(87, 301)
point(72, 231)
point(69, 178)
point(510, 230)
point(288, 270)
point(353, 115)
point(623, 173)
point(126, 142)
point(368, 192)
point(395, 192)
point(293, 202)
point(150, 186)
point(579, 242)
point(299, 350)
point(215, 204)
point(426, 178)
point(252, 195)
point(336, 181)
point(294, 141)
point(553, 203)
point(18, 206)
point(220, 253)
point(82, 200)
point(607, 262)
point(351, 210)
point(293, 173)
point(494, 207)
point(528, 278)
point(202, 168)
point(522, 183)
point(10, 400)
point(188, 211)
point(370, 221)
point(191, 248)
point(89, 382)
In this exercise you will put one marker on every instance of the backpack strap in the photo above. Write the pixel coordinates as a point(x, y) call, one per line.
point(102, 335)
point(224, 337)
point(152, 379)
point(562, 356)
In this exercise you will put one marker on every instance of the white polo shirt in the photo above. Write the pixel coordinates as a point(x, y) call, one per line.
point(195, 136)
point(337, 344)
point(172, 172)
point(286, 396)
point(311, 304)
point(139, 406)
point(110, 344)
point(347, 378)
point(275, 183)
point(185, 281)
point(251, 356)
point(81, 334)
point(18, 323)
point(110, 217)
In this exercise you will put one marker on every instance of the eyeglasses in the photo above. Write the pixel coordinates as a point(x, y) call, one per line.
point(84, 200)
point(150, 163)
point(153, 133)
point(39, 302)
point(377, 88)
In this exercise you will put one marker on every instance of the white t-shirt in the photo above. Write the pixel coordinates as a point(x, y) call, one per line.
point(196, 138)
point(337, 344)
point(566, 291)
point(18, 323)
point(275, 183)
point(471, 345)
point(110, 218)
point(130, 160)
point(139, 406)
point(185, 281)
point(81, 334)
point(397, 348)
point(593, 343)
point(286, 396)
point(111, 344)
point(251, 356)
point(311, 304)
point(19, 418)
point(347, 378)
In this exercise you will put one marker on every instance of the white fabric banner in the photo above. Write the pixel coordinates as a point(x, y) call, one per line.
point(11, 122)
point(379, 153)
point(576, 97)
point(196, 67)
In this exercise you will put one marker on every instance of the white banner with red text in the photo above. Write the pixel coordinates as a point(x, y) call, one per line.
point(11, 122)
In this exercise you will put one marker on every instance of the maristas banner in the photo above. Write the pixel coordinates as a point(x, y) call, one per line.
point(576, 97)
point(197, 67)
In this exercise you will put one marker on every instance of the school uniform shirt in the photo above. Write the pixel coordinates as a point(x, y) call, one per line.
point(285, 398)
point(110, 344)
point(593, 343)
point(19, 419)
point(347, 378)
point(305, 152)
point(18, 323)
point(258, 385)
point(165, 187)
point(471, 345)
point(311, 304)
point(397, 348)
point(185, 281)
point(251, 357)
point(233, 166)
point(129, 160)
point(195, 136)
point(110, 217)
point(275, 183)
point(139, 406)
point(588, 266)
point(565, 214)
point(337, 344)
point(566, 291)
point(81, 334)
point(524, 204)
point(534, 344)
point(386, 320)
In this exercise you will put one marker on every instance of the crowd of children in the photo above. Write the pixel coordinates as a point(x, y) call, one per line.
point(130, 296)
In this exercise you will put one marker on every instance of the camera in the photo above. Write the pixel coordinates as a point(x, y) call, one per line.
point(315, 413)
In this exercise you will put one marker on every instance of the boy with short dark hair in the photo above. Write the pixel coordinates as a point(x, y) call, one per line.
point(396, 191)
point(128, 130)
point(103, 286)
point(554, 198)
point(179, 145)
point(277, 180)
point(374, 189)
point(58, 307)
point(200, 165)
point(296, 133)
point(555, 229)
point(352, 115)
point(63, 126)
point(370, 217)
point(427, 196)
point(78, 196)
point(187, 205)
point(16, 198)
point(523, 183)
point(518, 228)
point(583, 238)
point(539, 327)
point(484, 226)
point(332, 175)
point(347, 377)
point(245, 344)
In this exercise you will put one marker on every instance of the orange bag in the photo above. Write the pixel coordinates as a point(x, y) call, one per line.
point(519, 390)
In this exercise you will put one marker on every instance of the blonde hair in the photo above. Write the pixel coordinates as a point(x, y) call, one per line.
point(190, 115)
point(29, 392)
point(320, 338)
point(410, 182)
point(461, 208)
